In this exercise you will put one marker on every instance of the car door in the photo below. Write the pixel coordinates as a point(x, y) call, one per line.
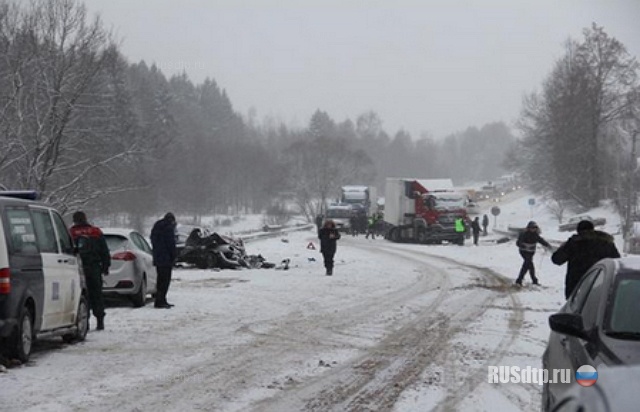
point(56, 285)
point(60, 269)
point(586, 352)
point(27, 276)
point(586, 300)
point(70, 265)
point(146, 257)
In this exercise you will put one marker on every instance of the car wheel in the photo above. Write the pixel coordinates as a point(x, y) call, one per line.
point(82, 323)
point(139, 299)
point(22, 340)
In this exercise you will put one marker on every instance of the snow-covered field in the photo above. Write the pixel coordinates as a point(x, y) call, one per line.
point(398, 328)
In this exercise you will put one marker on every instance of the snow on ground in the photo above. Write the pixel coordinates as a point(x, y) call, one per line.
point(398, 327)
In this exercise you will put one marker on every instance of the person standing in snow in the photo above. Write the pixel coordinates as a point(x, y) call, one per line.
point(95, 259)
point(475, 229)
point(328, 236)
point(485, 223)
point(163, 240)
point(371, 227)
point(582, 251)
point(527, 241)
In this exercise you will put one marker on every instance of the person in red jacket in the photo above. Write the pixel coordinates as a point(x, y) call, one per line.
point(95, 258)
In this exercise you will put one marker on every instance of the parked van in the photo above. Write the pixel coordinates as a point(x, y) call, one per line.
point(41, 288)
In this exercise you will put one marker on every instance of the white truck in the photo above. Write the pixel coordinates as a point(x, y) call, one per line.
point(361, 197)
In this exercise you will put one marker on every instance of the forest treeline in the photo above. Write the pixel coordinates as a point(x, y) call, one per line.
point(90, 129)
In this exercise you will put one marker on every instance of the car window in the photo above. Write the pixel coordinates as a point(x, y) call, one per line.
point(45, 234)
point(136, 240)
point(116, 242)
point(141, 242)
point(590, 309)
point(21, 231)
point(62, 233)
point(577, 299)
point(625, 308)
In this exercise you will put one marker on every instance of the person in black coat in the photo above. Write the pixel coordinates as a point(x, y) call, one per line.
point(475, 230)
point(163, 241)
point(328, 236)
point(582, 251)
point(485, 223)
point(527, 241)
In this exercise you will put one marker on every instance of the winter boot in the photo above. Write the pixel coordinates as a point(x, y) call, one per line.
point(329, 272)
point(100, 323)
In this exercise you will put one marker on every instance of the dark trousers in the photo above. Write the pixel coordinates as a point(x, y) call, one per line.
point(164, 279)
point(328, 260)
point(527, 266)
point(475, 238)
point(93, 277)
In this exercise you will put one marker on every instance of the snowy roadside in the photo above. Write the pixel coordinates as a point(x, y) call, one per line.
point(406, 324)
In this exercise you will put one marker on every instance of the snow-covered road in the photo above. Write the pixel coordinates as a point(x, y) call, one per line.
point(394, 329)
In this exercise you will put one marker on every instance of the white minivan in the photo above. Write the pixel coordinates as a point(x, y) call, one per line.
point(41, 288)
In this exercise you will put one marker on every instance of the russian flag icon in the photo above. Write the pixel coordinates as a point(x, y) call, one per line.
point(586, 375)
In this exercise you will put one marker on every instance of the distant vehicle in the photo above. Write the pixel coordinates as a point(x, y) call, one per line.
point(132, 273)
point(572, 223)
point(419, 214)
point(341, 214)
point(473, 208)
point(599, 324)
point(42, 291)
point(615, 390)
point(365, 197)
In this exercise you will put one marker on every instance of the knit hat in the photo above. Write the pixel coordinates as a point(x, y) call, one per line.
point(532, 225)
point(170, 217)
point(79, 218)
point(584, 226)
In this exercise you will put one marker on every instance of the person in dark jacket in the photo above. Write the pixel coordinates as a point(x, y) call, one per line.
point(527, 241)
point(485, 223)
point(328, 236)
point(95, 259)
point(582, 251)
point(475, 230)
point(163, 241)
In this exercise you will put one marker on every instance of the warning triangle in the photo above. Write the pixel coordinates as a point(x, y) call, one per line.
point(311, 246)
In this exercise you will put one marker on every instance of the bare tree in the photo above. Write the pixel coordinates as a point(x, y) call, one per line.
point(53, 89)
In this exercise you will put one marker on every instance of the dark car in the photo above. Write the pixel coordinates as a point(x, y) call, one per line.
point(572, 223)
point(599, 325)
point(615, 390)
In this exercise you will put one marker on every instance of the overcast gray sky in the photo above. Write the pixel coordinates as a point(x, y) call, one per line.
point(423, 65)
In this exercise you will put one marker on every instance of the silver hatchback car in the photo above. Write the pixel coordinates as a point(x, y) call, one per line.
point(132, 272)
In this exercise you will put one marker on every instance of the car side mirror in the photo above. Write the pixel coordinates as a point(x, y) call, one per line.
point(568, 324)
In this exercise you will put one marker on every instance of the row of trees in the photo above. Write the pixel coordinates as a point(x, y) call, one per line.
point(579, 131)
point(88, 129)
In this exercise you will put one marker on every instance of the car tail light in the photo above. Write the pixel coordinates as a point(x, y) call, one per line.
point(126, 256)
point(5, 281)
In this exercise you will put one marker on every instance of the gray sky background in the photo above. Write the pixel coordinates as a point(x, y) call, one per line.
point(433, 66)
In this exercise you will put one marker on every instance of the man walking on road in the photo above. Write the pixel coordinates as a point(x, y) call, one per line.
point(328, 236)
point(163, 240)
point(527, 241)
